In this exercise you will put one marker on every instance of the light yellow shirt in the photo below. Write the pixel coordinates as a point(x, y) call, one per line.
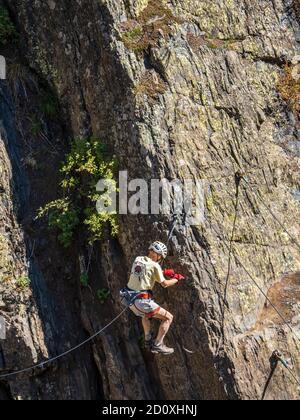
point(144, 274)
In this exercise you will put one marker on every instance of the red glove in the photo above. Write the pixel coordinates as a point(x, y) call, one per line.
point(179, 277)
point(169, 273)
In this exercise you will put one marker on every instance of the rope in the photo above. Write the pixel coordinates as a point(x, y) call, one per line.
point(225, 303)
point(48, 361)
point(175, 220)
point(241, 177)
point(276, 357)
point(83, 343)
point(277, 354)
point(230, 248)
point(263, 293)
point(285, 364)
point(53, 359)
point(273, 215)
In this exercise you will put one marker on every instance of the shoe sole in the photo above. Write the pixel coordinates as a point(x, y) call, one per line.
point(161, 352)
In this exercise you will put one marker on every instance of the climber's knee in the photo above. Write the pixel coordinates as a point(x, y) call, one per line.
point(164, 315)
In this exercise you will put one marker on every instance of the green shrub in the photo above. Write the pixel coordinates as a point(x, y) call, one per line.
point(84, 166)
point(103, 295)
point(23, 282)
point(8, 31)
point(84, 279)
point(64, 217)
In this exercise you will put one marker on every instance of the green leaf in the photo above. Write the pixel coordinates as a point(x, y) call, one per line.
point(87, 163)
point(84, 279)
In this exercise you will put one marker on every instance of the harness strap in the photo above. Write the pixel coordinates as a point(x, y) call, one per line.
point(144, 296)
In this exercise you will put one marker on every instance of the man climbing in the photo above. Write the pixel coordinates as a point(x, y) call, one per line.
point(145, 273)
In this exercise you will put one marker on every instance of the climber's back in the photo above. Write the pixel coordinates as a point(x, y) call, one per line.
point(144, 274)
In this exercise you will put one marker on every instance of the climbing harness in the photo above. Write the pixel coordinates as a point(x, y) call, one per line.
point(128, 296)
point(53, 359)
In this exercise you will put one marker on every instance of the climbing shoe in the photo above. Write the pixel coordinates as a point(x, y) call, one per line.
point(161, 349)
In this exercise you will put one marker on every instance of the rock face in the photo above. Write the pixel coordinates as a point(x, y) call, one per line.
point(181, 90)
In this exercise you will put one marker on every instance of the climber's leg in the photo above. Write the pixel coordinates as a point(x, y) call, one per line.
point(147, 330)
point(146, 309)
point(166, 321)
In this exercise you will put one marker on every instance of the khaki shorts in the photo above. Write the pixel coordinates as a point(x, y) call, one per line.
point(145, 308)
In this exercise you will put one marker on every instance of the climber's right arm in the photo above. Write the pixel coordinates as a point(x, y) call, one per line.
point(169, 283)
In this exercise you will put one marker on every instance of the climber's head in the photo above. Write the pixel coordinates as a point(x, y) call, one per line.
point(158, 251)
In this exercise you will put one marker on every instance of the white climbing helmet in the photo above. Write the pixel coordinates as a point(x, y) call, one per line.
point(159, 248)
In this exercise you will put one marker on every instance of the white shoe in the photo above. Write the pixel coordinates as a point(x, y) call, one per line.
point(162, 349)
